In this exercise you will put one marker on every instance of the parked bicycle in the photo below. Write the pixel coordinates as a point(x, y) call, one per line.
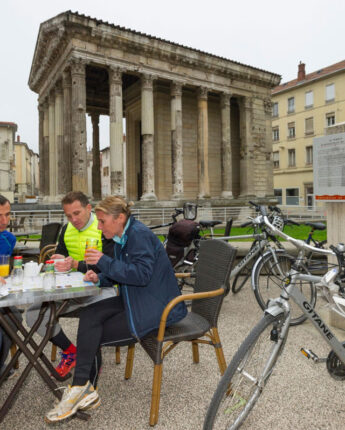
point(270, 269)
point(251, 367)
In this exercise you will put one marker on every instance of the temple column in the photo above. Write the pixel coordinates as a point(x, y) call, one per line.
point(44, 158)
point(176, 141)
point(41, 145)
point(268, 146)
point(116, 132)
point(79, 152)
point(52, 148)
point(67, 132)
point(204, 183)
point(147, 132)
point(226, 158)
point(59, 144)
point(96, 159)
point(246, 152)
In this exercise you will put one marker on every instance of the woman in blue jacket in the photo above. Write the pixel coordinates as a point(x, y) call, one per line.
point(146, 283)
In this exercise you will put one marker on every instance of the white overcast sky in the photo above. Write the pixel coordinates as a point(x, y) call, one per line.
point(273, 35)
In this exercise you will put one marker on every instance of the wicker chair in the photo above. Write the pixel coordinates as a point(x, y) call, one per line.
point(50, 234)
point(211, 284)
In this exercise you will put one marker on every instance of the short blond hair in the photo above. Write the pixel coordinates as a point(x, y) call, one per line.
point(115, 205)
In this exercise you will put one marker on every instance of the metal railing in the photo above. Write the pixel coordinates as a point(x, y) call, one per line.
point(34, 219)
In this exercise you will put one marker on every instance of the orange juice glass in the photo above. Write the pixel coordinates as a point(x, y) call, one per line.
point(4, 265)
point(91, 244)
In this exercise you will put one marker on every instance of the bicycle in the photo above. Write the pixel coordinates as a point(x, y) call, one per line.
point(262, 243)
point(269, 270)
point(251, 367)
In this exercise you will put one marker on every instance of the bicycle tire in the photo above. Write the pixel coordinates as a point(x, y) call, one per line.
point(248, 372)
point(267, 283)
point(238, 284)
point(186, 285)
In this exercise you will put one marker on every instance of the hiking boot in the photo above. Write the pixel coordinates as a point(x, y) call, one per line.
point(66, 364)
point(74, 398)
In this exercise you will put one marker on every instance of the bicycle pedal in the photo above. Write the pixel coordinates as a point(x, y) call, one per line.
point(310, 354)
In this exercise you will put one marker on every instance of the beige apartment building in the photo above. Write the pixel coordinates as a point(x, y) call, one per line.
point(303, 109)
point(26, 172)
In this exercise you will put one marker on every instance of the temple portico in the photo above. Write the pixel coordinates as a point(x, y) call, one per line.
point(196, 124)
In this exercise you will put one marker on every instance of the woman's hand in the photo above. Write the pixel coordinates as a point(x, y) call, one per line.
point(2, 281)
point(90, 275)
point(92, 256)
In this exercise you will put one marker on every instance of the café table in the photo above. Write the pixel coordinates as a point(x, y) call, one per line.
point(55, 301)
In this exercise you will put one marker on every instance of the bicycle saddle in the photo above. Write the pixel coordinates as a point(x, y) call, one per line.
point(209, 223)
point(316, 225)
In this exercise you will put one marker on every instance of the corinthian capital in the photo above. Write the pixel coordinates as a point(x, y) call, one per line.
point(77, 66)
point(115, 75)
point(176, 89)
point(147, 81)
point(202, 93)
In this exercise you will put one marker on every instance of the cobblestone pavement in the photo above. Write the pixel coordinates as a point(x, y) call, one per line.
point(299, 395)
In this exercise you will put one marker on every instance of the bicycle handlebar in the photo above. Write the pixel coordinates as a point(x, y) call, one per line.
point(246, 224)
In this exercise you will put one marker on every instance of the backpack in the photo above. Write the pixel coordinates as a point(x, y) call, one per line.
point(180, 235)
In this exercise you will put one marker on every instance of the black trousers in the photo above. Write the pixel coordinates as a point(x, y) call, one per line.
point(102, 323)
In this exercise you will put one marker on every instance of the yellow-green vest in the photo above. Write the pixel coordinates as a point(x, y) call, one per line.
point(75, 240)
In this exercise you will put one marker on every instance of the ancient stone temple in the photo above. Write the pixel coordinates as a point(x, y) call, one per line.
point(197, 126)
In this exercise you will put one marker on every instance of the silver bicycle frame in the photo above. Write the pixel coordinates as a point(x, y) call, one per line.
point(290, 290)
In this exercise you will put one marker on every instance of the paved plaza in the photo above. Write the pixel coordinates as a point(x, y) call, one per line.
point(299, 395)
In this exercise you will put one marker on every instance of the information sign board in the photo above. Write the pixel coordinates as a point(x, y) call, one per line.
point(329, 167)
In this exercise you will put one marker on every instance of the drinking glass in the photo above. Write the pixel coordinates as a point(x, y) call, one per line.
point(91, 243)
point(4, 265)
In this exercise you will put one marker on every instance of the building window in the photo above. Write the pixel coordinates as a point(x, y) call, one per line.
point(291, 130)
point(292, 157)
point(330, 93)
point(309, 125)
point(275, 111)
point(275, 134)
point(278, 194)
point(309, 155)
point(106, 171)
point(330, 119)
point(291, 104)
point(309, 99)
point(276, 160)
point(292, 196)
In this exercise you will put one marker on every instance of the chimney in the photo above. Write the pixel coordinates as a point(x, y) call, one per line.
point(18, 138)
point(301, 71)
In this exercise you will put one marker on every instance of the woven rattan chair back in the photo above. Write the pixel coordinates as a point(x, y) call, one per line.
point(212, 272)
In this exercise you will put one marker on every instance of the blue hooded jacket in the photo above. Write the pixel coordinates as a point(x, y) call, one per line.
point(146, 278)
point(7, 242)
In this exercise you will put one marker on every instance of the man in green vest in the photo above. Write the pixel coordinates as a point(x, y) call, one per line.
point(82, 225)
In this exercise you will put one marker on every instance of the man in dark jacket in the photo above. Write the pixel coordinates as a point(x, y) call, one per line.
point(147, 283)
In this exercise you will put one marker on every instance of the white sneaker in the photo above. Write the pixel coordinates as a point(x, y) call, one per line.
point(74, 398)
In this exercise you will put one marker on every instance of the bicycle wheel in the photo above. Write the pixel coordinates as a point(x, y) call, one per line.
point(246, 377)
point(268, 280)
point(186, 285)
point(240, 279)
